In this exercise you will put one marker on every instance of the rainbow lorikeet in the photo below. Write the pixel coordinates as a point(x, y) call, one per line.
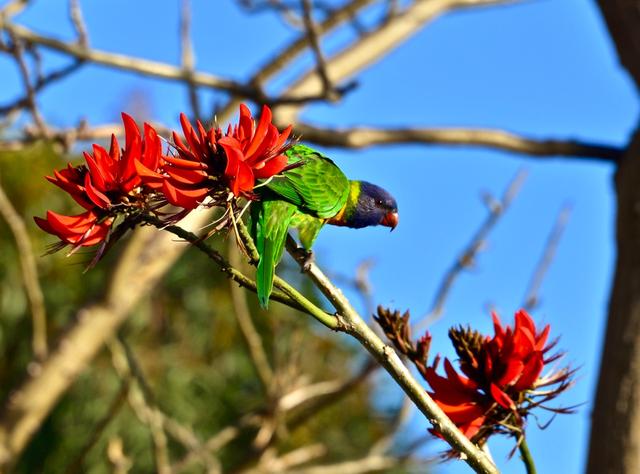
point(312, 192)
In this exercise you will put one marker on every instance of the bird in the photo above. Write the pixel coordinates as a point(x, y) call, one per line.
point(311, 192)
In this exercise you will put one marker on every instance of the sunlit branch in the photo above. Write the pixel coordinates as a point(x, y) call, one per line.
point(373, 46)
point(363, 137)
point(354, 325)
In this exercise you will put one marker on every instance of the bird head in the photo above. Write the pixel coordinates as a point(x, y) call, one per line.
point(375, 206)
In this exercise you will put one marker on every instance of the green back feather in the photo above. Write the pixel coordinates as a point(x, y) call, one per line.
point(317, 187)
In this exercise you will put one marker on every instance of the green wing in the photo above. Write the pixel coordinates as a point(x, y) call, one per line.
point(269, 224)
point(308, 228)
point(317, 187)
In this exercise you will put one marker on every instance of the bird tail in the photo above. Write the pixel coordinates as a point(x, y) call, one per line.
point(269, 224)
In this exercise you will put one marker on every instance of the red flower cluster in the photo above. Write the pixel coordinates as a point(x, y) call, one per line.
point(140, 178)
point(212, 163)
point(105, 183)
point(501, 375)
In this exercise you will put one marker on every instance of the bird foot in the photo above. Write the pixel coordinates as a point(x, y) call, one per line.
point(306, 259)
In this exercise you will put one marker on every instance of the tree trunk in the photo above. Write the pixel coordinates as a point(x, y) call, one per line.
point(615, 431)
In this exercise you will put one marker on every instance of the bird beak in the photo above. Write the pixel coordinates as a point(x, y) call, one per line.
point(390, 219)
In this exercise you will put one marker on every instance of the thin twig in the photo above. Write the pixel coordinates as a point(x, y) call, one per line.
point(146, 412)
point(467, 257)
point(532, 297)
point(188, 56)
point(75, 13)
point(18, 53)
point(97, 430)
point(314, 41)
point(29, 274)
point(295, 49)
point(40, 84)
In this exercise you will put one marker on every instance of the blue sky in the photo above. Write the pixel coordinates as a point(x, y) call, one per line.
point(544, 69)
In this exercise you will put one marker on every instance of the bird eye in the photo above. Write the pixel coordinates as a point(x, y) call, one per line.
point(379, 202)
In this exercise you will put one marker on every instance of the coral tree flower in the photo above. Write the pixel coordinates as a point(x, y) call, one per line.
point(105, 185)
point(253, 152)
point(501, 375)
point(210, 163)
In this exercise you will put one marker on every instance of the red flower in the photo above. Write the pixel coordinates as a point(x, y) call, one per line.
point(459, 398)
point(212, 163)
point(502, 373)
point(83, 230)
point(253, 152)
point(106, 185)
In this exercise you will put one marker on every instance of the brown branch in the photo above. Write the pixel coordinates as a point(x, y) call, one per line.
point(17, 49)
point(75, 14)
point(29, 274)
point(115, 453)
point(97, 430)
point(467, 257)
point(28, 405)
point(361, 137)
point(314, 42)
point(129, 63)
point(295, 49)
point(354, 325)
point(156, 69)
point(40, 84)
point(250, 335)
point(13, 7)
point(369, 463)
point(532, 298)
point(372, 47)
point(188, 56)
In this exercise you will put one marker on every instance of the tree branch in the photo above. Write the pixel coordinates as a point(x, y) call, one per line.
point(355, 326)
point(363, 137)
point(29, 274)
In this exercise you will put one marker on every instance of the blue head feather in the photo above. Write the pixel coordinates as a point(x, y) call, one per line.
point(375, 206)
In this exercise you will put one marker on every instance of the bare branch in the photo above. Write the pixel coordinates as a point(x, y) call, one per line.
point(369, 463)
point(468, 254)
point(17, 50)
point(75, 13)
point(296, 48)
point(13, 7)
point(116, 455)
point(361, 137)
point(29, 274)
point(188, 56)
point(374, 46)
point(314, 41)
point(40, 84)
point(250, 335)
point(128, 63)
point(355, 326)
point(76, 465)
point(532, 298)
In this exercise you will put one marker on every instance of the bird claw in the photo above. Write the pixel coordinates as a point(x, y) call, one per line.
point(306, 259)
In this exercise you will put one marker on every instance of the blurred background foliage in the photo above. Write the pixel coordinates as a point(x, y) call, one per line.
point(185, 340)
